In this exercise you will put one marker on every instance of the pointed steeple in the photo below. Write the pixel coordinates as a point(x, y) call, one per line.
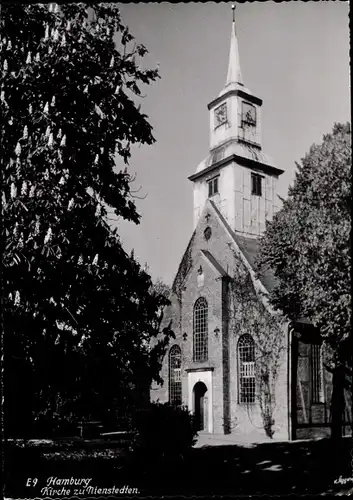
point(234, 72)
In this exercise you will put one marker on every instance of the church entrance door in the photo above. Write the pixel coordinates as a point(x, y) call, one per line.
point(201, 405)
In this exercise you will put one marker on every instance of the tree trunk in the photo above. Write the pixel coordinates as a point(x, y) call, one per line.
point(337, 403)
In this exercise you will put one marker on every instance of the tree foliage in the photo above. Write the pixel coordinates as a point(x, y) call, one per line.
point(308, 242)
point(308, 247)
point(160, 288)
point(153, 442)
point(78, 311)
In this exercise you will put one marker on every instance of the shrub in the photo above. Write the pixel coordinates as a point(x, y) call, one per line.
point(163, 431)
point(50, 424)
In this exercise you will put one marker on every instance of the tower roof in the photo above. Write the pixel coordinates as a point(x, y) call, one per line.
point(234, 75)
point(241, 152)
point(234, 82)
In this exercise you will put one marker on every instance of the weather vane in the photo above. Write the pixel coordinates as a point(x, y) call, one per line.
point(233, 9)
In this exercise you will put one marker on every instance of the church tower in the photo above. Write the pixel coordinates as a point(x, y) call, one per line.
point(236, 175)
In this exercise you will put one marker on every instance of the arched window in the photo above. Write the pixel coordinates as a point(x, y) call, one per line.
point(246, 369)
point(200, 330)
point(175, 375)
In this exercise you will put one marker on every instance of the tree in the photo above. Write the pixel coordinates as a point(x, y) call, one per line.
point(77, 309)
point(308, 246)
point(159, 288)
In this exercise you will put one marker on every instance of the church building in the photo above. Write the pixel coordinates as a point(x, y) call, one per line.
point(234, 362)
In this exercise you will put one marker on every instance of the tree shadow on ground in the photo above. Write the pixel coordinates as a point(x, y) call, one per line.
point(301, 467)
point(309, 467)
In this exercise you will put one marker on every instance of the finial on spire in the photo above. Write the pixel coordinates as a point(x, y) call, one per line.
point(233, 10)
point(234, 73)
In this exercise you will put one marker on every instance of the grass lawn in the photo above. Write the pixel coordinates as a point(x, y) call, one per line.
point(278, 468)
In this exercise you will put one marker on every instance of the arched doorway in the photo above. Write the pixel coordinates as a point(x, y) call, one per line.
point(201, 405)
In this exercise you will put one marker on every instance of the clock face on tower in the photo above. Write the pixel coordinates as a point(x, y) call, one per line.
point(248, 122)
point(249, 114)
point(220, 114)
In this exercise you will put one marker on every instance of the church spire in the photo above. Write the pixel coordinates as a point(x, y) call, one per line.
point(234, 72)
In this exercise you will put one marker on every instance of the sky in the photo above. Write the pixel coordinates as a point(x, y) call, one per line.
point(293, 55)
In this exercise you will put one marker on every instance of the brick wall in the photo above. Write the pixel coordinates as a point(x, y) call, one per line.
point(211, 290)
point(228, 415)
point(247, 418)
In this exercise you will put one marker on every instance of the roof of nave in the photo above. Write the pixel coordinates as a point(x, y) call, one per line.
point(250, 248)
